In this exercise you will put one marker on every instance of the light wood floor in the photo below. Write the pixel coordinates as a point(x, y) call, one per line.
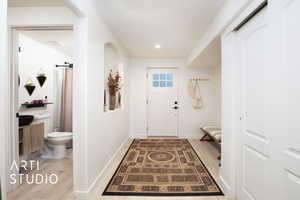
point(63, 190)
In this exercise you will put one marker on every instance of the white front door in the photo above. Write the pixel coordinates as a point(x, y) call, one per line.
point(162, 102)
point(254, 146)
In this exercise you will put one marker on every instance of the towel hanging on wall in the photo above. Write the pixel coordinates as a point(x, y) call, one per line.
point(195, 93)
point(197, 100)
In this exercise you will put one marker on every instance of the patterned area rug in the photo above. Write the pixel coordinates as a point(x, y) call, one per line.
point(162, 167)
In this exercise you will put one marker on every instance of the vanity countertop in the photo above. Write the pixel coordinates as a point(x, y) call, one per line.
point(33, 123)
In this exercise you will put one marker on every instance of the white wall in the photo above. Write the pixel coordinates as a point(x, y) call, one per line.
point(111, 60)
point(30, 16)
point(3, 96)
point(229, 104)
point(36, 57)
point(102, 133)
point(19, 16)
point(226, 15)
point(98, 136)
point(189, 118)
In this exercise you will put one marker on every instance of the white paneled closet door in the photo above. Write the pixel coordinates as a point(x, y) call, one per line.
point(269, 48)
point(285, 19)
point(254, 148)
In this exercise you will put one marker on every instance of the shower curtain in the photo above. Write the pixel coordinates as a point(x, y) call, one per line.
point(66, 101)
point(63, 103)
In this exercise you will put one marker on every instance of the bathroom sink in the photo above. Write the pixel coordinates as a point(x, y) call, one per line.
point(25, 120)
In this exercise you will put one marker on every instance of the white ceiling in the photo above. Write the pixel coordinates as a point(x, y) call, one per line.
point(35, 3)
point(175, 24)
point(61, 40)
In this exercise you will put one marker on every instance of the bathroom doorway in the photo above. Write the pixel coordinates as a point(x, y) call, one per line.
point(42, 146)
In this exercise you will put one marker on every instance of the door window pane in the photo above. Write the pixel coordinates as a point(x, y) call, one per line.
point(169, 77)
point(155, 76)
point(162, 83)
point(169, 83)
point(163, 77)
point(162, 80)
point(155, 83)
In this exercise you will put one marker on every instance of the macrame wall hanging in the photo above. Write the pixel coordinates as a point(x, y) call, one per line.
point(195, 93)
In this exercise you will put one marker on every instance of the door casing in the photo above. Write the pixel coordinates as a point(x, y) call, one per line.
point(13, 148)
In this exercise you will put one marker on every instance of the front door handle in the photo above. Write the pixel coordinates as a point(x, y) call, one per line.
point(175, 107)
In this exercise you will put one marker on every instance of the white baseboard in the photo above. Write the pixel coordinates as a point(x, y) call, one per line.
point(81, 195)
point(86, 195)
point(191, 136)
point(187, 136)
point(138, 136)
point(226, 188)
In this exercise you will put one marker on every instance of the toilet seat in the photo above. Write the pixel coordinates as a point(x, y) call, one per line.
point(59, 134)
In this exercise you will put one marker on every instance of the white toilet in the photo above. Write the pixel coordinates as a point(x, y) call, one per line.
point(56, 142)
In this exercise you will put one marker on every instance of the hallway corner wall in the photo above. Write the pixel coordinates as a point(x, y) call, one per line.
point(104, 132)
point(225, 16)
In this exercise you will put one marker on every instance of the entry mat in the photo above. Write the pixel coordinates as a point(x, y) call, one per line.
point(162, 167)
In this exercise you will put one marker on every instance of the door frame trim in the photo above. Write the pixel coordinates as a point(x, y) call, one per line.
point(13, 65)
point(147, 98)
point(4, 92)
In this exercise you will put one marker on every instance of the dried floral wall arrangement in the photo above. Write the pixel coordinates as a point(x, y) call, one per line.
point(114, 87)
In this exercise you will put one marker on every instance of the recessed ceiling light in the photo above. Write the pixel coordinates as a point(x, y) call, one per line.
point(157, 46)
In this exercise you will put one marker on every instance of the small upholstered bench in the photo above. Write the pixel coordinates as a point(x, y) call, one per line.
point(213, 134)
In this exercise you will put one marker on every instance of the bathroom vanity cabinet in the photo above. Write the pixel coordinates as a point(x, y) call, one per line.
point(31, 138)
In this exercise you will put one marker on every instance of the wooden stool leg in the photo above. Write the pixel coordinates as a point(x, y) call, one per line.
point(204, 138)
point(207, 138)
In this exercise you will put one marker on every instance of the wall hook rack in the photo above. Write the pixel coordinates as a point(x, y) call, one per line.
point(200, 79)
